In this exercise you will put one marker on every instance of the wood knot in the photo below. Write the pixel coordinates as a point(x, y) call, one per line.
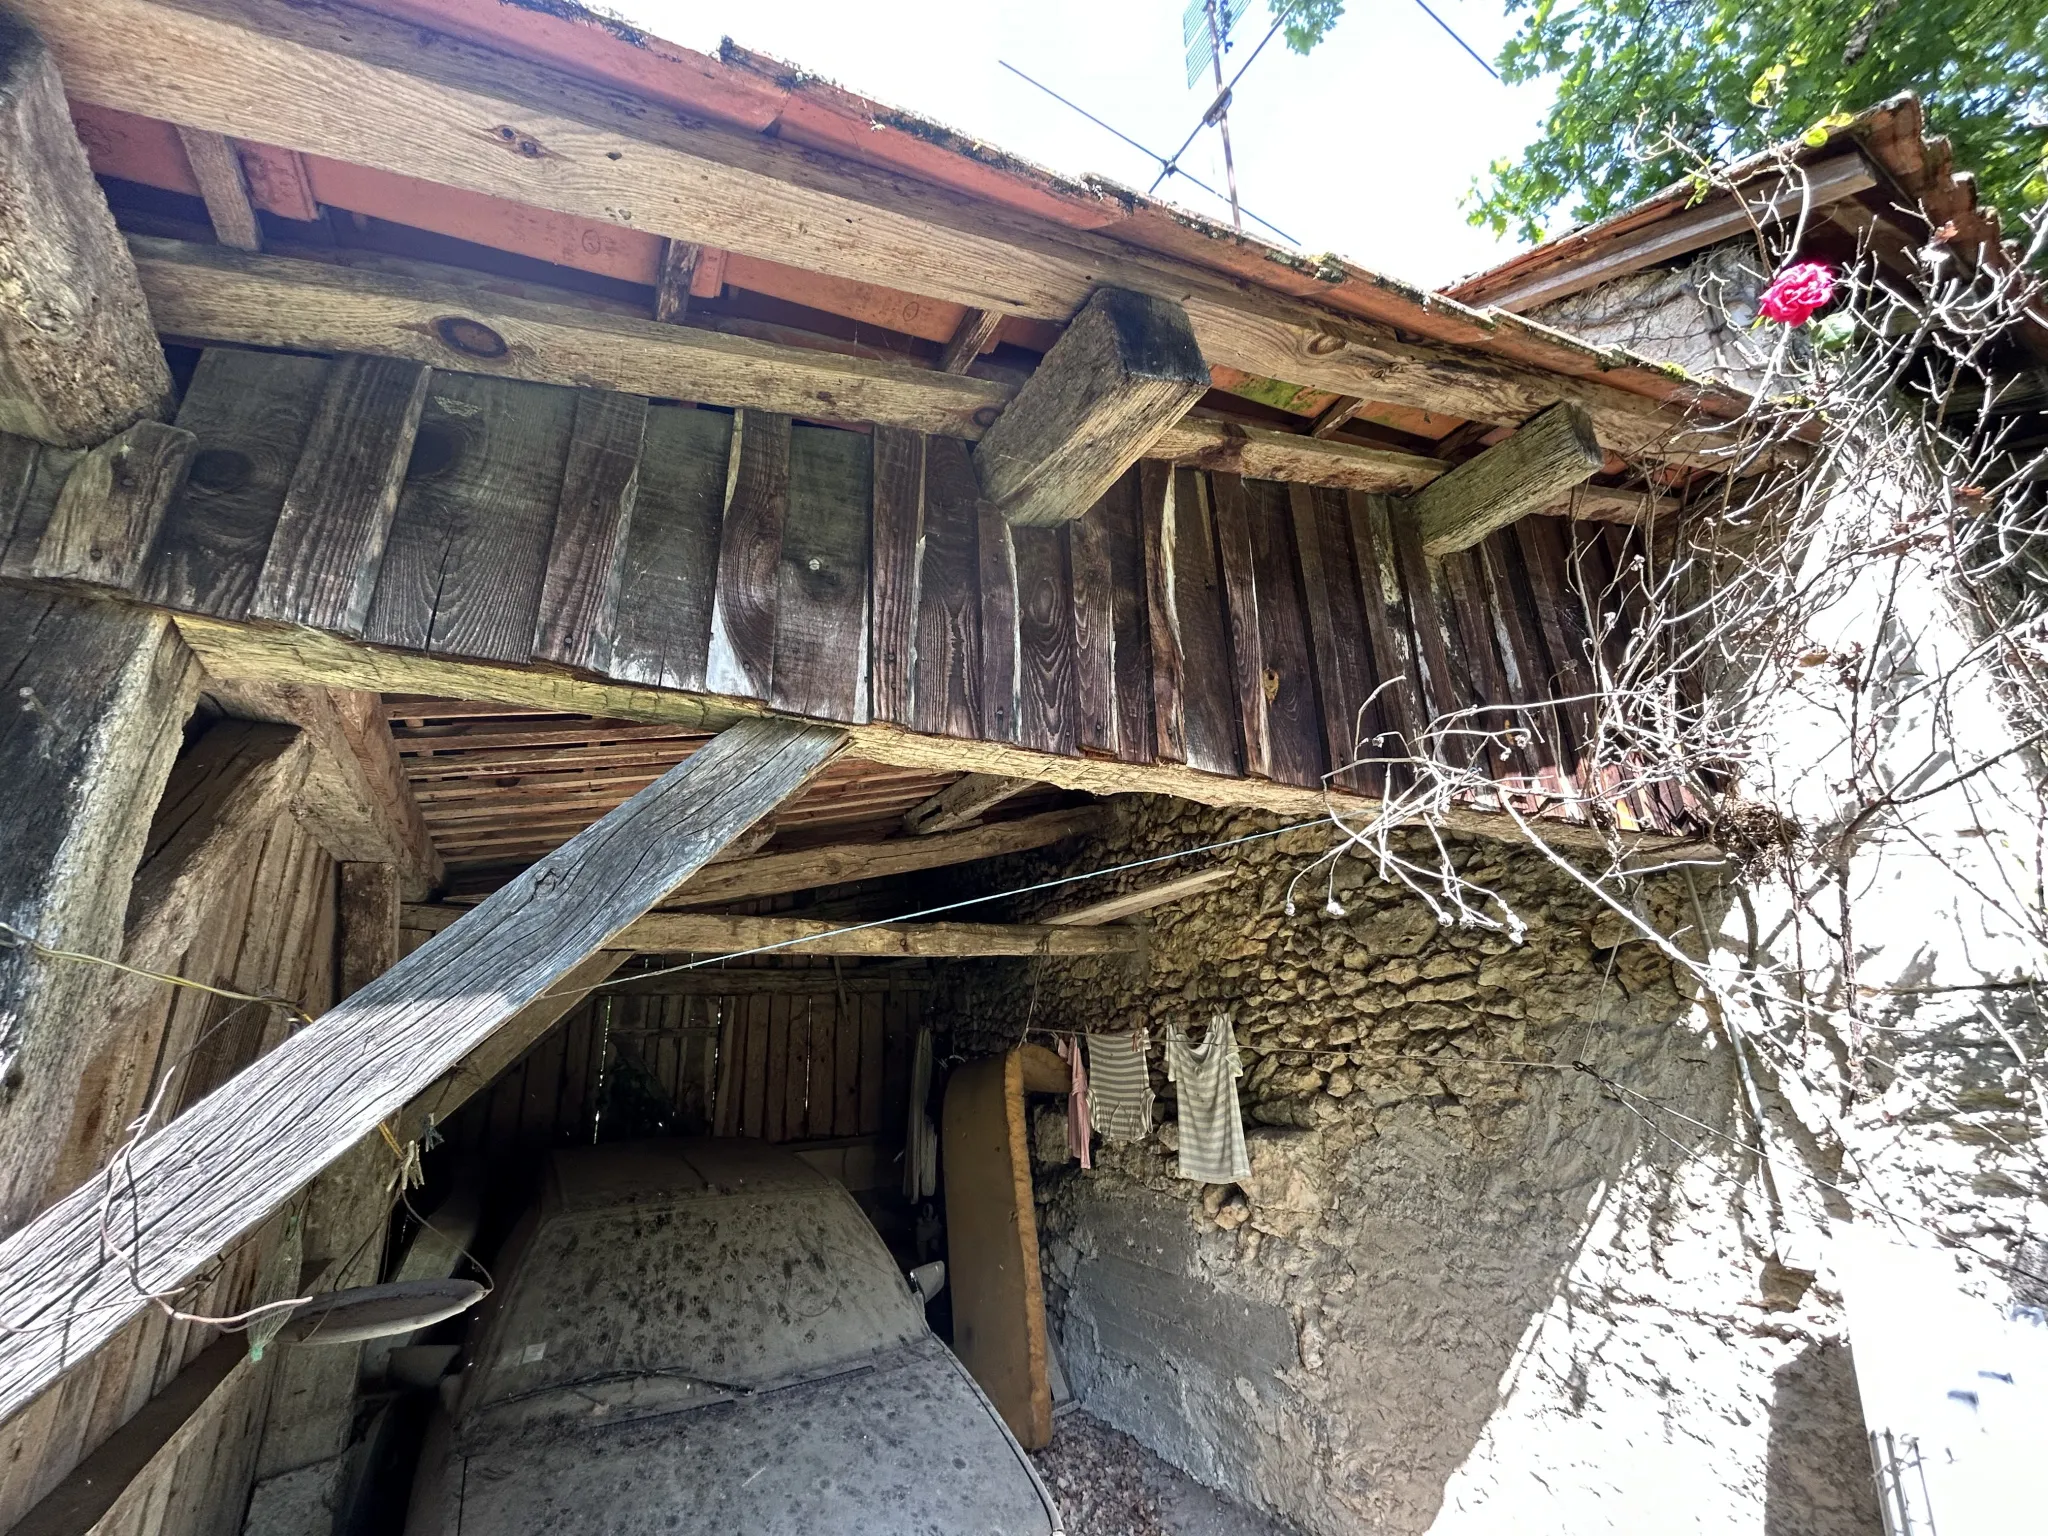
point(1323, 343)
point(524, 145)
point(472, 338)
point(220, 470)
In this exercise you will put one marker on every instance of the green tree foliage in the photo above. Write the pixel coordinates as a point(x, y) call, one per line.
point(1638, 79)
point(1307, 22)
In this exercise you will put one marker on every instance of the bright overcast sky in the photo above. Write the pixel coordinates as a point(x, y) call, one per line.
point(1365, 148)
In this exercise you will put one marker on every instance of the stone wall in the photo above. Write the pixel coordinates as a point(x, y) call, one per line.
point(1458, 1291)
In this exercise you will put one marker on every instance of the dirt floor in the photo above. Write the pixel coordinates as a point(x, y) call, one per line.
point(1106, 1484)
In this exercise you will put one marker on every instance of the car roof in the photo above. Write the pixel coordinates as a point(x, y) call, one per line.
point(672, 1171)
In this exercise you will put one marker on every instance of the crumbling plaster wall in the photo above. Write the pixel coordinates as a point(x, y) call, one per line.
point(1455, 1294)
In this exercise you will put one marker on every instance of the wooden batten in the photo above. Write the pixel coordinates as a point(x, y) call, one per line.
point(79, 359)
point(1528, 472)
point(1125, 370)
point(225, 1164)
point(112, 503)
point(224, 186)
point(962, 803)
point(711, 933)
point(1114, 909)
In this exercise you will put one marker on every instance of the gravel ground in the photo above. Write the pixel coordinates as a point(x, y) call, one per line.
point(1106, 1484)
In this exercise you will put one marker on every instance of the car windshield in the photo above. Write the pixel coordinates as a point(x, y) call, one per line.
point(734, 1292)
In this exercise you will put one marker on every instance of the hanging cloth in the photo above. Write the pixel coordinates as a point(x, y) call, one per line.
point(1211, 1130)
point(921, 1139)
point(1119, 1086)
point(1077, 1101)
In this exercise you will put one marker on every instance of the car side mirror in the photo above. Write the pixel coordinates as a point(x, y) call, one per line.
point(927, 1280)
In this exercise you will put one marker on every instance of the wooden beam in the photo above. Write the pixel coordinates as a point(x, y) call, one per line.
point(1603, 504)
point(1125, 370)
point(961, 803)
point(740, 981)
point(205, 293)
point(224, 187)
point(1116, 908)
point(79, 358)
point(977, 330)
point(357, 800)
point(111, 505)
point(245, 651)
point(264, 72)
point(225, 1165)
point(704, 933)
point(1521, 474)
point(97, 697)
point(774, 874)
point(1335, 415)
point(92, 1488)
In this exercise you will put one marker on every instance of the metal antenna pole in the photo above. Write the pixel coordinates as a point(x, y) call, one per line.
point(1220, 113)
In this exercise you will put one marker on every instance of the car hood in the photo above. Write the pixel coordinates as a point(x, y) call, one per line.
point(903, 1444)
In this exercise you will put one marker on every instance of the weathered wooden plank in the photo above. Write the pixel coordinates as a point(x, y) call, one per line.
point(79, 359)
point(948, 677)
point(219, 295)
point(725, 1101)
point(1561, 626)
point(976, 332)
point(663, 633)
point(1434, 686)
point(321, 569)
point(32, 478)
point(1088, 564)
point(996, 573)
point(1524, 674)
point(1212, 713)
point(1158, 531)
point(672, 283)
point(754, 1081)
point(742, 654)
point(1385, 608)
point(98, 696)
point(1123, 548)
point(1473, 629)
point(1549, 454)
point(1114, 909)
point(1046, 702)
point(846, 1086)
point(1241, 604)
point(579, 597)
point(874, 1023)
point(820, 660)
point(1262, 453)
point(1294, 728)
point(112, 503)
point(899, 465)
point(1337, 635)
point(1125, 369)
point(464, 562)
point(224, 188)
point(251, 413)
point(713, 933)
point(225, 1164)
point(962, 803)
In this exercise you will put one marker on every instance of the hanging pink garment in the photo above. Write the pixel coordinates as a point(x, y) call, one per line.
point(1078, 1129)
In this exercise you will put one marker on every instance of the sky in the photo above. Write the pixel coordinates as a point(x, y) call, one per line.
point(1364, 148)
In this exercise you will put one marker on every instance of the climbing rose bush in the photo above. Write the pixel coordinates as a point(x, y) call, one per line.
point(1798, 291)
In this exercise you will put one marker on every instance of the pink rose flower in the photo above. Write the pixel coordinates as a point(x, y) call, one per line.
point(1798, 291)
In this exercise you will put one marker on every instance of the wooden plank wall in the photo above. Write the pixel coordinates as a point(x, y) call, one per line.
point(272, 933)
point(809, 1060)
point(853, 574)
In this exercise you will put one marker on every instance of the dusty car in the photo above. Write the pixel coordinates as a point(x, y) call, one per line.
point(709, 1336)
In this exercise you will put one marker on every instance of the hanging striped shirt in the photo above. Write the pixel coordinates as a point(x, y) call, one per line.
point(1211, 1130)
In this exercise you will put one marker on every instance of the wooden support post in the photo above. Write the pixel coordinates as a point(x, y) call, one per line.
point(1552, 452)
point(708, 933)
point(226, 1164)
point(97, 697)
point(217, 167)
point(357, 800)
point(962, 803)
point(79, 358)
point(1125, 370)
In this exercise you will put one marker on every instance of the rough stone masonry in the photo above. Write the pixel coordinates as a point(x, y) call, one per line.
point(1458, 1293)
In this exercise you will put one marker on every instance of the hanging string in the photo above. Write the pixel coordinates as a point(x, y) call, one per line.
point(12, 937)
